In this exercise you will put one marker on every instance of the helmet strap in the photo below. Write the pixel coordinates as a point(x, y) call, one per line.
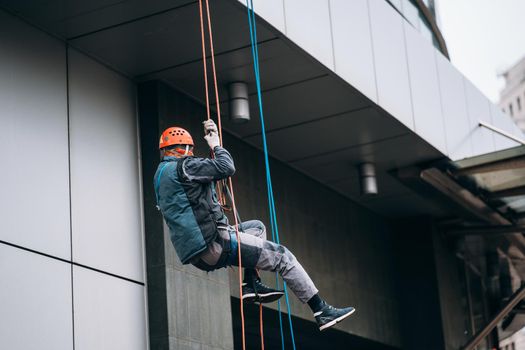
point(180, 152)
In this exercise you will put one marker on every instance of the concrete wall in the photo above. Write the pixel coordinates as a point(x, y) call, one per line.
point(346, 248)
point(369, 45)
point(417, 283)
point(71, 236)
point(453, 305)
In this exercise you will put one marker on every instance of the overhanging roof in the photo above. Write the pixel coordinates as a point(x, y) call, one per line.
point(316, 122)
point(501, 176)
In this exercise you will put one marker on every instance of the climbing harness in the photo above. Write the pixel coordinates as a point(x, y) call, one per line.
point(271, 201)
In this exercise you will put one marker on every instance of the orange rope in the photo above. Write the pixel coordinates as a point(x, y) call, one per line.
point(204, 61)
point(214, 73)
point(220, 194)
point(218, 189)
point(239, 259)
point(220, 138)
point(261, 325)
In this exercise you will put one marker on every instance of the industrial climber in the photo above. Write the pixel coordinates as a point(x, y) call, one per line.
point(200, 232)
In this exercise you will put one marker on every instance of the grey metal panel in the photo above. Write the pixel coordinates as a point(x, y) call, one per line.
point(272, 11)
point(478, 109)
point(106, 215)
point(35, 301)
point(154, 43)
point(279, 66)
point(109, 312)
point(391, 61)
point(504, 122)
point(354, 59)
point(300, 103)
point(308, 25)
point(346, 130)
point(387, 185)
point(413, 205)
point(34, 144)
point(73, 18)
point(387, 154)
point(454, 107)
point(426, 99)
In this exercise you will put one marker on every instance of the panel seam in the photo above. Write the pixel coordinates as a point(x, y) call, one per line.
point(445, 133)
point(334, 115)
point(331, 33)
point(71, 262)
point(69, 193)
point(142, 213)
point(284, 17)
point(373, 51)
point(138, 19)
point(405, 41)
point(469, 121)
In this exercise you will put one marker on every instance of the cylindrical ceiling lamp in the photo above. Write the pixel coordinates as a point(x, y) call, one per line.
point(367, 178)
point(239, 103)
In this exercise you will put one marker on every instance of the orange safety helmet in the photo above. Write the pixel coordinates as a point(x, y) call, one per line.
point(175, 136)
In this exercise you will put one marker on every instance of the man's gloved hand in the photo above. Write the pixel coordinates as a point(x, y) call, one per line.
point(213, 139)
point(209, 126)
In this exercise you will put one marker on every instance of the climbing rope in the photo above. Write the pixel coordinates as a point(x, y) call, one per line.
point(271, 201)
point(203, 40)
point(220, 193)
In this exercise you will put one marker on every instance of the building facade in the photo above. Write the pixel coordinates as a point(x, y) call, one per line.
point(87, 88)
point(512, 97)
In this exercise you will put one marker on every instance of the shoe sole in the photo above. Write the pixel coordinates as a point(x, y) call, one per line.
point(262, 298)
point(337, 320)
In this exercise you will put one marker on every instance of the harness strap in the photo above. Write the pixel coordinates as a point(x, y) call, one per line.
point(234, 247)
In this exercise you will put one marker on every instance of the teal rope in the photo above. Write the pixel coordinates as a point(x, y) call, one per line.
point(254, 49)
point(271, 201)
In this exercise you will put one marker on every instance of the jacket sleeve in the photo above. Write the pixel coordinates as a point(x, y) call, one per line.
point(208, 170)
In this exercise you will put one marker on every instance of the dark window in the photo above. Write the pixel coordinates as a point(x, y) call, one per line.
point(511, 112)
point(512, 346)
point(518, 101)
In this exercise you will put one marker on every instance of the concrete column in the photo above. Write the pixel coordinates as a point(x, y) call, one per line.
point(417, 277)
point(452, 288)
point(188, 308)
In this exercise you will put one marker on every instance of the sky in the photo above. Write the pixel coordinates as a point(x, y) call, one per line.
point(484, 37)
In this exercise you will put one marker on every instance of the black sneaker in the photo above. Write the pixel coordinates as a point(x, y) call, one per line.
point(329, 315)
point(259, 292)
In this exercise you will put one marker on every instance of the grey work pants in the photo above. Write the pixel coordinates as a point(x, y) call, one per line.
point(258, 253)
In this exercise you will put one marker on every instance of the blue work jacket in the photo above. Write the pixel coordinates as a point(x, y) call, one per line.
point(185, 189)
